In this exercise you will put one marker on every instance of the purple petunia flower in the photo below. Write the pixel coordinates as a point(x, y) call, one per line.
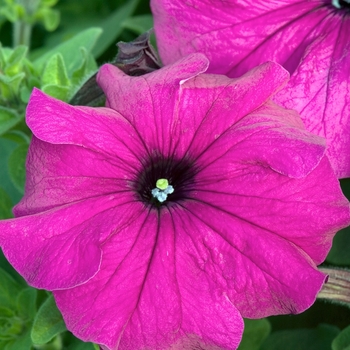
point(309, 38)
point(190, 201)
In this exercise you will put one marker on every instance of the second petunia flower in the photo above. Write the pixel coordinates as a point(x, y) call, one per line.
point(310, 38)
point(190, 201)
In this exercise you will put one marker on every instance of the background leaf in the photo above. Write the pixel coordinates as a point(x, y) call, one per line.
point(5, 205)
point(26, 303)
point(319, 338)
point(47, 323)
point(339, 254)
point(139, 24)
point(70, 50)
point(255, 332)
point(342, 341)
point(9, 289)
point(6, 148)
point(16, 165)
point(8, 119)
point(112, 27)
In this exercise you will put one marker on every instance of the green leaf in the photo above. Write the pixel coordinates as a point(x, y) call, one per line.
point(9, 290)
point(59, 92)
point(55, 72)
point(15, 61)
point(5, 205)
point(339, 253)
point(255, 332)
point(10, 13)
point(319, 338)
point(2, 57)
point(87, 67)
point(16, 166)
point(47, 323)
point(342, 340)
point(8, 119)
point(70, 50)
point(23, 342)
point(10, 84)
point(139, 24)
point(6, 148)
point(80, 345)
point(17, 136)
point(49, 17)
point(48, 3)
point(26, 303)
point(112, 27)
point(24, 94)
point(10, 324)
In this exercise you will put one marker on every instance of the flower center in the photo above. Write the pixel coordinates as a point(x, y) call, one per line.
point(162, 190)
point(162, 181)
point(341, 4)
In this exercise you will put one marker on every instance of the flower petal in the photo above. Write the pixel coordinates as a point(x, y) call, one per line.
point(310, 39)
point(211, 104)
point(150, 101)
point(305, 212)
point(323, 99)
point(269, 135)
point(99, 129)
point(145, 295)
point(61, 248)
point(262, 273)
point(57, 175)
point(230, 33)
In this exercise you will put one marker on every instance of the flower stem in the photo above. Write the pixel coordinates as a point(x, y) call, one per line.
point(21, 33)
point(337, 287)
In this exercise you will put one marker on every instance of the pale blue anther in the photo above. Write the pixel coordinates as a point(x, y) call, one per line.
point(336, 3)
point(161, 192)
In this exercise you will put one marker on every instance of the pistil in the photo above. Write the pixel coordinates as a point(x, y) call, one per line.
point(162, 190)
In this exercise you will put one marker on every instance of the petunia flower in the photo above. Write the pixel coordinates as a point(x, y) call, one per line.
point(191, 200)
point(309, 38)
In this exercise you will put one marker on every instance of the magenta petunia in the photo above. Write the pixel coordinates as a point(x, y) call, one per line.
point(309, 38)
point(190, 201)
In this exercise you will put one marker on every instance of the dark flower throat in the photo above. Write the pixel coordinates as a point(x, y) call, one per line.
point(179, 173)
point(341, 4)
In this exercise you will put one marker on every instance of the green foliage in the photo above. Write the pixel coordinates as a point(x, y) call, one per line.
point(339, 254)
point(71, 49)
point(342, 340)
point(138, 24)
point(47, 323)
point(79, 345)
point(5, 205)
point(113, 24)
point(31, 12)
point(15, 73)
point(8, 119)
point(8, 289)
point(255, 332)
point(319, 338)
point(6, 148)
point(16, 166)
point(17, 310)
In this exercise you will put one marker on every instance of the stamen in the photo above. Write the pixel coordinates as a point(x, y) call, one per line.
point(162, 184)
point(162, 190)
point(338, 3)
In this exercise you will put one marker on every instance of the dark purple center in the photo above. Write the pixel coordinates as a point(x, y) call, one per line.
point(179, 173)
point(341, 4)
